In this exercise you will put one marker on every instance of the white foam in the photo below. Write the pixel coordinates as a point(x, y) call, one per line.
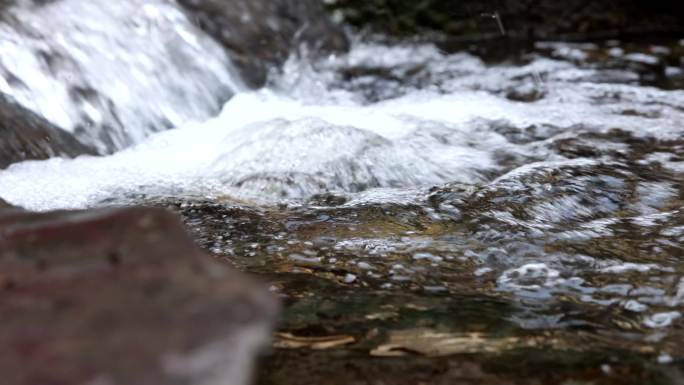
point(620, 268)
point(661, 320)
point(635, 306)
point(642, 58)
point(531, 276)
point(427, 256)
point(309, 136)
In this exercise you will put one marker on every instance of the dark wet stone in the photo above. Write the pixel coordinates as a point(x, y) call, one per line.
point(525, 94)
point(121, 296)
point(261, 33)
point(24, 135)
point(328, 200)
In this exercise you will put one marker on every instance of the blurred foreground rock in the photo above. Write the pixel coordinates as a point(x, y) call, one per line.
point(121, 297)
point(24, 135)
point(259, 34)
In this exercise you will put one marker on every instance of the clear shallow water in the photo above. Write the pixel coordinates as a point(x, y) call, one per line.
point(553, 184)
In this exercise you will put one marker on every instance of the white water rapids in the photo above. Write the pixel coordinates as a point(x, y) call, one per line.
point(304, 135)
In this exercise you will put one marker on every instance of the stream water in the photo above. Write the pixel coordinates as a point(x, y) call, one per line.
point(411, 203)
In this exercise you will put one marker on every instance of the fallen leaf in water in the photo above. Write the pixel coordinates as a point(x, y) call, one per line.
point(432, 343)
point(290, 341)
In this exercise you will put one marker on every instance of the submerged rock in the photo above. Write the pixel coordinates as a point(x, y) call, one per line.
point(259, 34)
point(121, 296)
point(24, 135)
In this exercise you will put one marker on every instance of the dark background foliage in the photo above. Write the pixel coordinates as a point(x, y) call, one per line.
point(534, 18)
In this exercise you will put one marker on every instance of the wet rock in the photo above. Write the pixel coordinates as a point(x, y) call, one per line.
point(121, 296)
point(526, 94)
point(328, 200)
point(262, 33)
point(24, 135)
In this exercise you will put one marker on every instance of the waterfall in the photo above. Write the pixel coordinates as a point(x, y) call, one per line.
point(112, 72)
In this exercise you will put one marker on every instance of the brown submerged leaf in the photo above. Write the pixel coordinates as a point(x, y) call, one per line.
point(290, 341)
point(432, 343)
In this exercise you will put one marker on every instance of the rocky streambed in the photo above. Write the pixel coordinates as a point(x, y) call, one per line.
point(424, 212)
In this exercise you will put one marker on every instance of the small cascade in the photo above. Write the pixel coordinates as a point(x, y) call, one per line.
point(112, 72)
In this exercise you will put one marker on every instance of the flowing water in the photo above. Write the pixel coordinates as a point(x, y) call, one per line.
point(407, 202)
